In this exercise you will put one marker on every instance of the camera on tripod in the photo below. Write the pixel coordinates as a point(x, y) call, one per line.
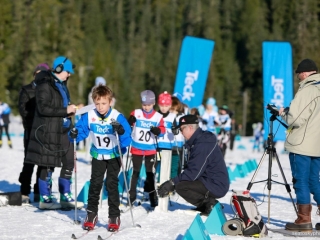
point(273, 109)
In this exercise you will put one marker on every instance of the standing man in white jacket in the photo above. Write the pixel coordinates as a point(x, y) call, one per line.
point(302, 143)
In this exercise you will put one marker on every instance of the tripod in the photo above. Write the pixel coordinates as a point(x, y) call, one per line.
point(271, 151)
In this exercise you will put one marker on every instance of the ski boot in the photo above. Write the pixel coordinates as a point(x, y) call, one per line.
point(0, 143)
point(66, 199)
point(90, 221)
point(46, 201)
point(114, 224)
point(10, 143)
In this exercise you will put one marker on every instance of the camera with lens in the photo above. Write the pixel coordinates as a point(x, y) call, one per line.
point(273, 109)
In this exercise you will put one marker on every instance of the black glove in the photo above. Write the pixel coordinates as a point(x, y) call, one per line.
point(155, 130)
point(204, 122)
point(175, 130)
point(131, 120)
point(285, 111)
point(165, 188)
point(117, 127)
point(73, 133)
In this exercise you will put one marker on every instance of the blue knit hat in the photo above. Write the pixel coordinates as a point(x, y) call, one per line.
point(211, 101)
point(100, 80)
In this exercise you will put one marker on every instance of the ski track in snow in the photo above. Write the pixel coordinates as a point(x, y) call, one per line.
point(28, 222)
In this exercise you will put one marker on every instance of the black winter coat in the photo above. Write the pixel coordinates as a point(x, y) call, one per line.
point(205, 163)
point(27, 104)
point(47, 134)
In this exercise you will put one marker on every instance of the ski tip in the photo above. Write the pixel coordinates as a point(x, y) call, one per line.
point(73, 236)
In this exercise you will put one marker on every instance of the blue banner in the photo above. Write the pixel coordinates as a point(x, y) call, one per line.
point(277, 82)
point(193, 69)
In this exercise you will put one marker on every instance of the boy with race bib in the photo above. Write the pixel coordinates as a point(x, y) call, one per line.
point(148, 125)
point(101, 124)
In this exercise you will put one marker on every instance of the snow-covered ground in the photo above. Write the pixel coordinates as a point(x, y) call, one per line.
point(28, 222)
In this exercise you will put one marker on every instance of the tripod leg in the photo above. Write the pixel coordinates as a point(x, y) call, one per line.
point(269, 182)
point(286, 183)
point(256, 172)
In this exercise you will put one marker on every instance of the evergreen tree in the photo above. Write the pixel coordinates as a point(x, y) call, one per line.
point(6, 30)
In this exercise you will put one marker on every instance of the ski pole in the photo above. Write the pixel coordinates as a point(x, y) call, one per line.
point(127, 167)
point(125, 180)
point(179, 162)
point(76, 221)
point(126, 170)
point(157, 150)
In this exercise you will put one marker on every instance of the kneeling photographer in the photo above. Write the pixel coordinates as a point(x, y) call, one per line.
point(302, 143)
point(205, 177)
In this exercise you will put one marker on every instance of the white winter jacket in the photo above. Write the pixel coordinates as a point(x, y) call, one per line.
point(303, 118)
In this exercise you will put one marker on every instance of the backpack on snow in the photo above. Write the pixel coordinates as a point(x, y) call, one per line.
point(248, 221)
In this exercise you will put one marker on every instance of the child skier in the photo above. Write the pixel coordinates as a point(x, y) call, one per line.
point(148, 126)
point(224, 123)
point(102, 123)
point(210, 115)
point(177, 108)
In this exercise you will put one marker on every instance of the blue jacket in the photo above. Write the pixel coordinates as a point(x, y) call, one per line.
point(205, 163)
point(84, 131)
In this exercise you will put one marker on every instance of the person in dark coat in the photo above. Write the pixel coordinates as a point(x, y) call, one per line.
point(205, 178)
point(27, 108)
point(49, 145)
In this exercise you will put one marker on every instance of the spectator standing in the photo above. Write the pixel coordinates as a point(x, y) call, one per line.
point(302, 143)
point(27, 108)
point(49, 145)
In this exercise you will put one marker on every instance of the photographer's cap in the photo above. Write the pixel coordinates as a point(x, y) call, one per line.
point(148, 97)
point(306, 65)
point(188, 119)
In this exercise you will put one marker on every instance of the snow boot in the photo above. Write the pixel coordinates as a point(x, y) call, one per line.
point(66, 199)
point(114, 224)
point(90, 221)
point(0, 143)
point(9, 143)
point(200, 208)
point(318, 213)
point(25, 199)
point(46, 201)
point(209, 204)
point(303, 222)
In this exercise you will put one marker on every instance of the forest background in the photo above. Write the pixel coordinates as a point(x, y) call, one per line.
point(135, 45)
